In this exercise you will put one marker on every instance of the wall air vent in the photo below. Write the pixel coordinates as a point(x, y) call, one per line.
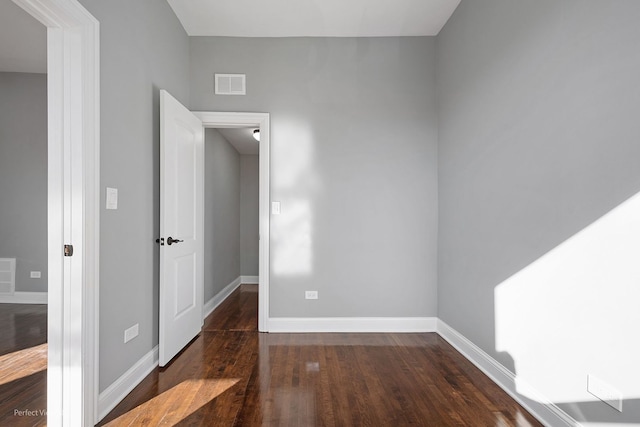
point(231, 84)
point(7, 275)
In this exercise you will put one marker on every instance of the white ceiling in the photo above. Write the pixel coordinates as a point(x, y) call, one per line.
point(242, 139)
point(23, 41)
point(313, 18)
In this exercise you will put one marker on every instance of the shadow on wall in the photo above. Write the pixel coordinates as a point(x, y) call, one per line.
point(594, 415)
point(573, 313)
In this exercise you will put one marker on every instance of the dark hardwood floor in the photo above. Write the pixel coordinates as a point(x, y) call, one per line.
point(23, 364)
point(231, 375)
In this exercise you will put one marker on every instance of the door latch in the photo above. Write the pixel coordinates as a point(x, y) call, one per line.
point(68, 250)
point(171, 241)
point(161, 241)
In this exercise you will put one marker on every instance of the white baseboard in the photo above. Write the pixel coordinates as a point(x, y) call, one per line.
point(24, 298)
point(214, 302)
point(112, 395)
point(249, 280)
point(352, 324)
point(541, 408)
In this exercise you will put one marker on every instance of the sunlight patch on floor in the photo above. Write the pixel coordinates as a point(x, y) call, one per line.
point(23, 363)
point(175, 404)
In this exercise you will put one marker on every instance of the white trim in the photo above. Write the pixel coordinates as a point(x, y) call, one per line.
point(119, 389)
point(73, 88)
point(352, 324)
point(541, 408)
point(249, 280)
point(261, 121)
point(24, 298)
point(12, 276)
point(217, 299)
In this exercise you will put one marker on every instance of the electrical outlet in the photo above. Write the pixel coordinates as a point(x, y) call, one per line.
point(604, 392)
point(131, 333)
point(310, 294)
point(36, 275)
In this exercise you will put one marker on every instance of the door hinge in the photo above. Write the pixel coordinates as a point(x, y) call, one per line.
point(68, 250)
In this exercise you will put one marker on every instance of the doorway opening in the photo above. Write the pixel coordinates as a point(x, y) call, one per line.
point(182, 236)
point(259, 122)
point(231, 223)
point(23, 214)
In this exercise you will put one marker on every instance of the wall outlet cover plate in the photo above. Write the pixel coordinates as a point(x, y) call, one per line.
point(604, 392)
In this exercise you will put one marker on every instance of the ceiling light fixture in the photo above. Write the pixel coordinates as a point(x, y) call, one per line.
point(256, 134)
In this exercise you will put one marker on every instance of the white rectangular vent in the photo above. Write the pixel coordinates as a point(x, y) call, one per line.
point(231, 84)
point(7, 275)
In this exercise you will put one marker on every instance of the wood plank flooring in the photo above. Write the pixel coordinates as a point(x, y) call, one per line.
point(231, 375)
point(23, 364)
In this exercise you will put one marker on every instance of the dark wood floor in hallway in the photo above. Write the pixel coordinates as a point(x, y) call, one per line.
point(231, 375)
point(23, 364)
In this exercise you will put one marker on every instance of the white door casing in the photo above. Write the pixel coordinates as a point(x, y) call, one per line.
point(73, 98)
point(181, 218)
point(211, 119)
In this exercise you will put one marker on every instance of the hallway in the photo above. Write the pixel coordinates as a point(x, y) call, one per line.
point(231, 375)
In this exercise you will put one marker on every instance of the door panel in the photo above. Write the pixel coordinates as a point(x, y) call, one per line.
point(181, 218)
point(186, 293)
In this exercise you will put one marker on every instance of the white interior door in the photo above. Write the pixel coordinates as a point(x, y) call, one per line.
point(181, 226)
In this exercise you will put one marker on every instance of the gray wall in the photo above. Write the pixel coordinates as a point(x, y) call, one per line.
point(23, 176)
point(353, 161)
point(222, 214)
point(143, 48)
point(538, 139)
point(249, 210)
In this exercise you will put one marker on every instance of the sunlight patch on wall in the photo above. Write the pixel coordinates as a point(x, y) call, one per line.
point(575, 311)
point(607, 424)
point(295, 253)
point(295, 184)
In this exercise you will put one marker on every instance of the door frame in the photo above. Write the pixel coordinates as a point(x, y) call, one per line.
point(261, 121)
point(73, 103)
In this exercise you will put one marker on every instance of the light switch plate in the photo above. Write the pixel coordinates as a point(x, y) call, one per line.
point(36, 275)
point(112, 198)
point(275, 208)
point(310, 294)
